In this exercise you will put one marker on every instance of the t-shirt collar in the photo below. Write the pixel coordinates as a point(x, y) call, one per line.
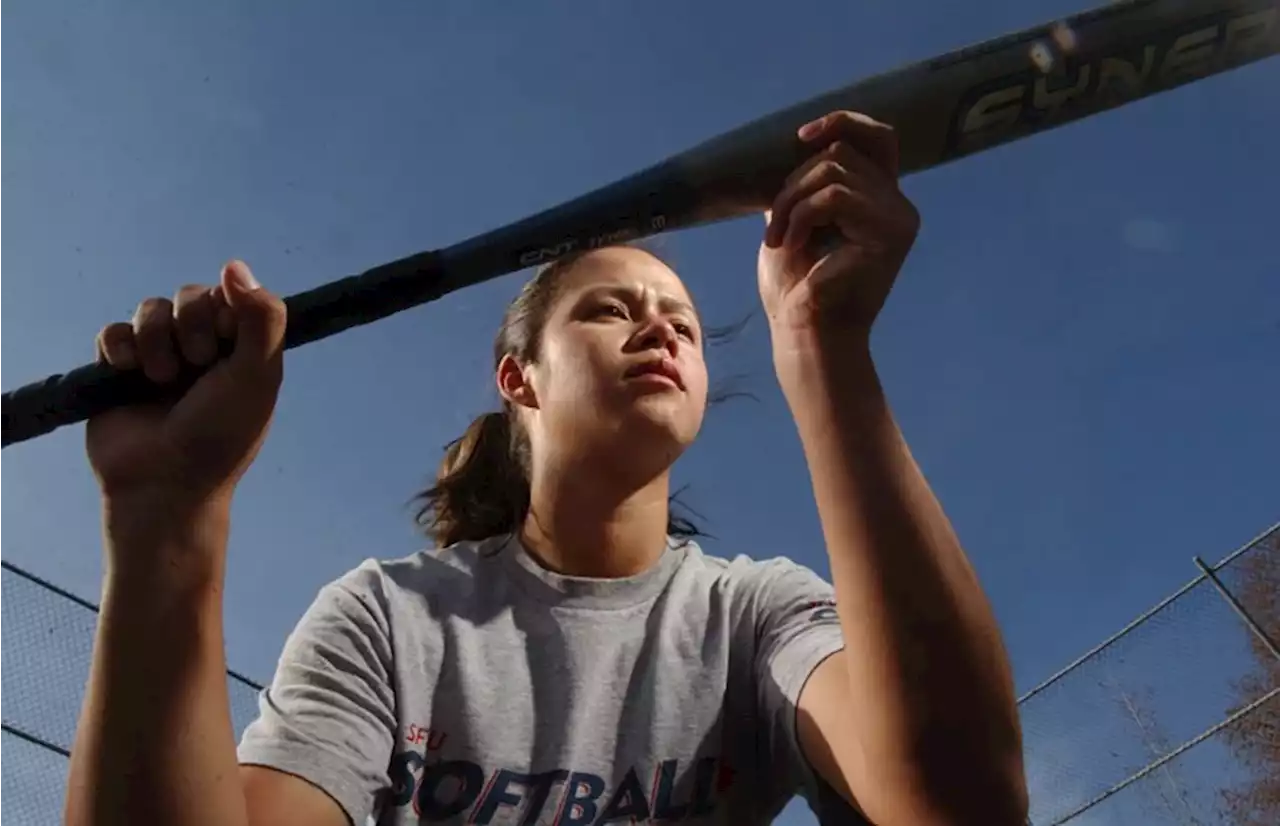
point(590, 592)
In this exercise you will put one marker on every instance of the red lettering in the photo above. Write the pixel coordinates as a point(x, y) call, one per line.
point(433, 737)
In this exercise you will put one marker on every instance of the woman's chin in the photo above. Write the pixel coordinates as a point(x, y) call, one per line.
point(658, 425)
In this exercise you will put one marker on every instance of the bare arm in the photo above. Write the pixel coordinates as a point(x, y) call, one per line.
point(155, 743)
point(916, 720)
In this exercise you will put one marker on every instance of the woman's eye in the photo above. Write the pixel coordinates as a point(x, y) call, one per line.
point(684, 329)
point(615, 310)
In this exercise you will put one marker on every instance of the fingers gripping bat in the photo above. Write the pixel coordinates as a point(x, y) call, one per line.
point(944, 108)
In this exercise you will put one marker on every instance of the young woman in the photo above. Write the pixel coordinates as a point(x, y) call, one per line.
point(567, 657)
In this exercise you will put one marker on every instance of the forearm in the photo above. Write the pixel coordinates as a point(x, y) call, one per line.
point(155, 742)
point(931, 693)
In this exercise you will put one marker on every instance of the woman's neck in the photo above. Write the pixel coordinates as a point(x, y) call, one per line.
point(579, 526)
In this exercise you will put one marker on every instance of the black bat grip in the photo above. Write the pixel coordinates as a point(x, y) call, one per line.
point(91, 389)
point(66, 398)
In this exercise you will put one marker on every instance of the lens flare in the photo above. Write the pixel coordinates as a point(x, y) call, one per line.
point(1042, 56)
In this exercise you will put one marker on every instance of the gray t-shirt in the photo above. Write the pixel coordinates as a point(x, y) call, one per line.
point(471, 685)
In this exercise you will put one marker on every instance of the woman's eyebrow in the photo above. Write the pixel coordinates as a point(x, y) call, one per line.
point(671, 303)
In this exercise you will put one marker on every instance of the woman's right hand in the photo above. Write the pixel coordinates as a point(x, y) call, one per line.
point(187, 455)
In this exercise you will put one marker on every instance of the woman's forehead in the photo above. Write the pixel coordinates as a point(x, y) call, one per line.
point(628, 268)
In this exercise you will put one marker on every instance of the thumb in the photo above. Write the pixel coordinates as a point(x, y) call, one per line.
point(260, 316)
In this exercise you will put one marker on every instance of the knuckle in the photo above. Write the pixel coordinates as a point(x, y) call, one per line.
point(189, 294)
point(834, 195)
point(904, 224)
point(876, 127)
point(195, 312)
point(846, 152)
point(154, 306)
point(849, 158)
point(907, 209)
point(116, 349)
point(115, 344)
point(912, 220)
point(859, 121)
point(277, 306)
point(832, 169)
point(115, 330)
point(829, 172)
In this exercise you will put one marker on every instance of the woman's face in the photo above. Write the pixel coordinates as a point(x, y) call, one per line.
point(620, 365)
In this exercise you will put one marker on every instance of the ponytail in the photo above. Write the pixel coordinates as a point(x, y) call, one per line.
point(482, 485)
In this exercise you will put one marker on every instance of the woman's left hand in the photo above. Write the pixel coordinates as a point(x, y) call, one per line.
point(837, 235)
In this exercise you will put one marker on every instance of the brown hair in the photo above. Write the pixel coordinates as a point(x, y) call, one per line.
point(482, 484)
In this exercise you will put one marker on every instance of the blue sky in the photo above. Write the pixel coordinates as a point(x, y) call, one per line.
point(1082, 350)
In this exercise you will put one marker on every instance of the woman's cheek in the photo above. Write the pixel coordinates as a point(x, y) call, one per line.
point(696, 379)
point(591, 376)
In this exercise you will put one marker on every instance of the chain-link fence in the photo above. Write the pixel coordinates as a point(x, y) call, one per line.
point(44, 665)
point(1174, 720)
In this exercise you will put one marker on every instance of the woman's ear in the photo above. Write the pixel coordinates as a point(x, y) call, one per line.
point(513, 383)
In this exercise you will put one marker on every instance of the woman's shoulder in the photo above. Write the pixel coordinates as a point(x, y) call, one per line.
point(741, 566)
point(424, 573)
point(742, 577)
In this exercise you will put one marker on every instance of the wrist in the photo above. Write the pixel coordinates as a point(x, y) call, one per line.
point(819, 360)
point(167, 542)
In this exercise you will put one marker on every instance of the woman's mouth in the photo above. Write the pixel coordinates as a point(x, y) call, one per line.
point(660, 371)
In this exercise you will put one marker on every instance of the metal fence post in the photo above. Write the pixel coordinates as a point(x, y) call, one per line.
point(1239, 608)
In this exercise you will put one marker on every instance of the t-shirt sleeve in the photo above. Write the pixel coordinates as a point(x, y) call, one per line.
point(797, 628)
point(328, 716)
